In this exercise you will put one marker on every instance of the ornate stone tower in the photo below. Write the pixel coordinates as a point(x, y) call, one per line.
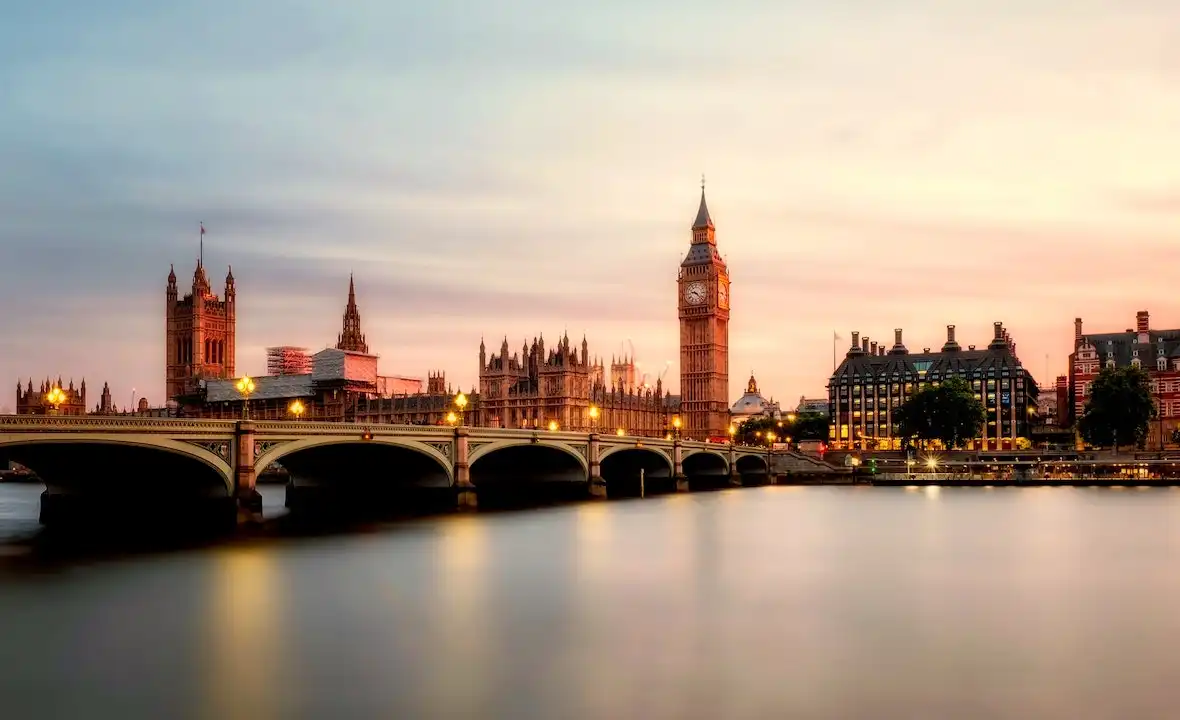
point(200, 332)
point(704, 333)
point(351, 338)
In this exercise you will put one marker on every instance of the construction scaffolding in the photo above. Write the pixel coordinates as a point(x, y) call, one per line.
point(287, 360)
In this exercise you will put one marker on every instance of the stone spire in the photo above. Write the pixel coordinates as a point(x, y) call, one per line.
point(703, 219)
point(351, 338)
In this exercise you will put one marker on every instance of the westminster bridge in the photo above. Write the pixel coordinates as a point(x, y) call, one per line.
point(120, 463)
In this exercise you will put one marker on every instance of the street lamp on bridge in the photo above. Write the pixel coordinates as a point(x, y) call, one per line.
point(620, 432)
point(297, 409)
point(245, 387)
point(452, 418)
point(553, 426)
point(732, 431)
point(461, 403)
point(593, 413)
point(676, 424)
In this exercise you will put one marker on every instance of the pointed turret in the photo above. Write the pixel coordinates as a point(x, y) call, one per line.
point(351, 338)
point(703, 220)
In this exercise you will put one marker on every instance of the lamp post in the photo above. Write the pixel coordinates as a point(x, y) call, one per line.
point(620, 432)
point(55, 397)
point(593, 412)
point(452, 418)
point(676, 423)
point(732, 430)
point(245, 387)
point(461, 403)
point(297, 409)
point(553, 426)
point(770, 438)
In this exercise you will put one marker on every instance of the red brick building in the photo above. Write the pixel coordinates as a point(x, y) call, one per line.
point(1156, 351)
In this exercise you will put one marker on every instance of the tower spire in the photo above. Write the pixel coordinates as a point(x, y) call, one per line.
point(201, 251)
point(351, 338)
point(703, 219)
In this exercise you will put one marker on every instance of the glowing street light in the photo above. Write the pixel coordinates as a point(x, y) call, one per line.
point(452, 418)
point(932, 463)
point(55, 397)
point(732, 432)
point(594, 413)
point(461, 403)
point(620, 432)
point(553, 426)
point(245, 387)
point(297, 409)
point(676, 423)
point(790, 417)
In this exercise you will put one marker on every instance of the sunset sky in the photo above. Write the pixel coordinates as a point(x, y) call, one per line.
point(529, 166)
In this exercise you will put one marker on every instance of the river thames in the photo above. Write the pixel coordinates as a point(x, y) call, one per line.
point(777, 602)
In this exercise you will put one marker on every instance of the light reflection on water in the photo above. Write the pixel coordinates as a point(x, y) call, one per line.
point(772, 602)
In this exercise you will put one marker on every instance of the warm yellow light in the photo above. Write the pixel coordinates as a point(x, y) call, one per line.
point(461, 401)
point(932, 463)
point(668, 436)
point(245, 385)
point(553, 426)
point(593, 412)
point(297, 408)
point(791, 417)
point(620, 432)
point(452, 418)
point(733, 430)
point(757, 433)
point(676, 422)
point(55, 397)
point(770, 436)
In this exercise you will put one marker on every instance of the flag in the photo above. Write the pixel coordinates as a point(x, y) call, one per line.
point(202, 228)
point(836, 336)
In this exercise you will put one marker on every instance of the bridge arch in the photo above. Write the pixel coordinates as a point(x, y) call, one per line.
point(708, 458)
point(632, 471)
point(498, 445)
point(608, 450)
point(752, 465)
point(20, 448)
point(287, 448)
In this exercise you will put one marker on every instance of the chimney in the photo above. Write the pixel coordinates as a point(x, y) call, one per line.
point(970, 347)
point(897, 336)
point(1142, 321)
point(873, 348)
point(1077, 331)
point(855, 338)
point(864, 343)
point(950, 334)
point(999, 330)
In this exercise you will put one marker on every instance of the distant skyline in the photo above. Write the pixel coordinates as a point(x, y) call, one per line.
point(523, 168)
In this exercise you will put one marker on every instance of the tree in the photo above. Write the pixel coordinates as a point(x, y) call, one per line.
point(1120, 408)
point(805, 426)
point(949, 413)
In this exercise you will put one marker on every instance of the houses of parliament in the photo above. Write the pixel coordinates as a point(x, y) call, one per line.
point(544, 387)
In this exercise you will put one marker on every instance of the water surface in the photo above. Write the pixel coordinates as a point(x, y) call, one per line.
point(756, 603)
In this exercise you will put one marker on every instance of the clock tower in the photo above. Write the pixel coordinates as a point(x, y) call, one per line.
point(704, 333)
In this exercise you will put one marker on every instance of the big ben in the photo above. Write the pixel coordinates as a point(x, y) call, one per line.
point(704, 333)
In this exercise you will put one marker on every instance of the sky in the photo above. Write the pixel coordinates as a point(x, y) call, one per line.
point(528, 167)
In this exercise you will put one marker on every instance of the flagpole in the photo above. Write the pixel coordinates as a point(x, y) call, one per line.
point(201, 256)
point(834, 351)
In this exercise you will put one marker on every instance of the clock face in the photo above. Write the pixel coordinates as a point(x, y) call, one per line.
point(723, 294)
point(694, 293)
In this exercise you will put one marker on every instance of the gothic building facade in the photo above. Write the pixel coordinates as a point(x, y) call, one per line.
point(704, 333)
point(200, 333)
point(35, 401)
point(535, 387)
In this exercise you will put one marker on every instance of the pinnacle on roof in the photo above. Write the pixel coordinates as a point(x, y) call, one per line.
point(703, 219)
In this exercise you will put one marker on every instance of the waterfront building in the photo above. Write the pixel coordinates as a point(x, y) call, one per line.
point(1155, 351)
point(752, 405)
point(535, 387)
point(871, 383)
point(200, 333)
point(37, 401)
point(812, 406)
point(703, 286)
